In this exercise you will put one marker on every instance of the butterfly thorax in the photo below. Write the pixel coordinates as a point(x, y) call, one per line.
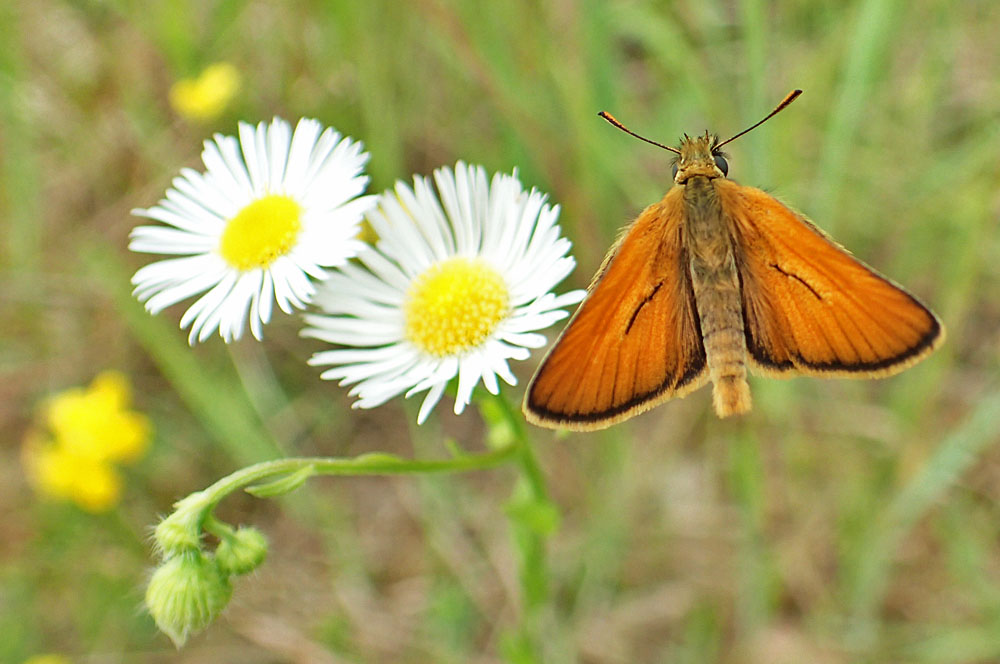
point(714, 278)
point(705, 228)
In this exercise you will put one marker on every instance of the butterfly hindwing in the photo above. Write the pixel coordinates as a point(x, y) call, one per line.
point(809, 307)
point(635, 340)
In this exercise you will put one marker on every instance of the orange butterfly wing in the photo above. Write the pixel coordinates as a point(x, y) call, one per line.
point(635, 341)
point(809, 307)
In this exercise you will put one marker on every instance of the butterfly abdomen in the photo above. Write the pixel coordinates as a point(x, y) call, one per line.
point(715, 283)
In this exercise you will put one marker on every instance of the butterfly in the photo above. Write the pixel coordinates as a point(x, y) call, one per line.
point(715, 279)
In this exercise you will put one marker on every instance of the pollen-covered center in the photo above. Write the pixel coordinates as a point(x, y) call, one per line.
point(454, 306)
point(261, 232)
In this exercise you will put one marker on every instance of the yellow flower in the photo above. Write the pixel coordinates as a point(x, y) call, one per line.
point(89, 430)
point(57, 472)
point(95, 423)
point(50, 658)
point(204, 98)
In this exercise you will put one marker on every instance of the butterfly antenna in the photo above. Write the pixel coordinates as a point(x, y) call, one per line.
point(610, 118)
point(789, 98)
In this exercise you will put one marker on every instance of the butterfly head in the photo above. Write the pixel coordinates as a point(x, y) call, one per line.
point(699, 155)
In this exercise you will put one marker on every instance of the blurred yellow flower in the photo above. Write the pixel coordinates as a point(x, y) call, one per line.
point(88, 431)
point(204, 98)
point(94, 423)
point(47, 659)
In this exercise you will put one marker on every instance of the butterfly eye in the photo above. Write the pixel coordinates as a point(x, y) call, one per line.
point(721, 162)
point(673, 172)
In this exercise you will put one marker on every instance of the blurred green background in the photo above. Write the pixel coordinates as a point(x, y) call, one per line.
point(838, 522)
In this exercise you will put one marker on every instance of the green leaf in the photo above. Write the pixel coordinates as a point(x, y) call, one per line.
point(282, 485)
point(378, 459)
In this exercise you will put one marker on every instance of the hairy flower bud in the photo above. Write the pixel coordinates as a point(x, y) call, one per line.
point(181, 531)
point(242, 552)
point(185, 594)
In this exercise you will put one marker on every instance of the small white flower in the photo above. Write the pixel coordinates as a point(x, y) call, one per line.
point(447, 292)
point(270, 213)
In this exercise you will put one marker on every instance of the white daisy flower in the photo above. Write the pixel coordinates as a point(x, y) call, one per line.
point(447, 292)
point(270, 213)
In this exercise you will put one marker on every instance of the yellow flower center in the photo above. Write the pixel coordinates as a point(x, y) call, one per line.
point(261, 232)
point(454, 306)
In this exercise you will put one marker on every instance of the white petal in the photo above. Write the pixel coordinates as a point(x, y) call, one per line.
point(431, 400)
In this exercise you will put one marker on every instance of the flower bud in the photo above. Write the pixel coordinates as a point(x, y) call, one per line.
point(181, 531)
point(185, 595)
point(241, 552)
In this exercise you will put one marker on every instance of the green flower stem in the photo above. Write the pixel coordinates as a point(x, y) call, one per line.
point(533, 519)
point(218, 528)
point(189, 588)
point(366, 464)
point(526, 454)
point(179, 536)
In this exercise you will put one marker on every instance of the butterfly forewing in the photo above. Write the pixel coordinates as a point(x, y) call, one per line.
point(635, 340)
point(809, 307)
